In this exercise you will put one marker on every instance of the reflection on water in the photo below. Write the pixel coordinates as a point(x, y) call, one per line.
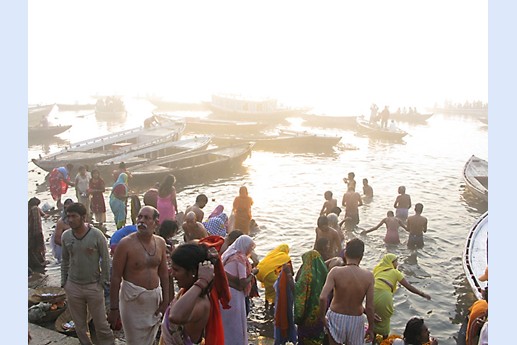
point(287, 190)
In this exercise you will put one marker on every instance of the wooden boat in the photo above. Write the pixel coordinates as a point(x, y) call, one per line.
point(192, 166)
point(75, 106)
point(106, 146)
point(327, 121)
point(165, 105)
point(46, 131)
point(37, 114)
point(373, 130)
point(413, 117)
point(475, 254)
point(213, 126)
point(235, 107)
point(475, 174)
point(148, 153)
point(109, 108)
point(284, 141)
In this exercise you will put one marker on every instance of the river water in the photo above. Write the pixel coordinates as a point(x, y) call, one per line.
point(288, 194)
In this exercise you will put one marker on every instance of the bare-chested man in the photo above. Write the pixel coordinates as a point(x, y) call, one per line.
point(201, 201)
point(344, 319)
point(192, 228)
point(329, 204)
point(402, 204)
point(325, 231)
point(416, 226)
point(139, 272)
point(351, 201)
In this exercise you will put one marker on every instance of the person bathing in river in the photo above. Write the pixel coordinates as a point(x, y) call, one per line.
point(416, 226)
point(367, 189)
point(402, 204)
point(323, 230)
point(197, 208)
point(392, 228)
point(329, 204)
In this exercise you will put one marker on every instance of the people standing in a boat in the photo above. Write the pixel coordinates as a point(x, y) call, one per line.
point(416, 226)
point(402, 204)
point(374, 109)
point(385, 116)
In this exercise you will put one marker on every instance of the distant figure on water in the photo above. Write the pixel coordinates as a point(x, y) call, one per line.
point(402, 204)
point(59, 180)
point(374, 109)
point(392, 228)
point(367, 189)
point(385, 116)
point(242, 210)
point(416, 226)
point(329, 204)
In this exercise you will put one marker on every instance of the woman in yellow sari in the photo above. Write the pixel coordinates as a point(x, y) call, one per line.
point(386, 277)
point(270, 267)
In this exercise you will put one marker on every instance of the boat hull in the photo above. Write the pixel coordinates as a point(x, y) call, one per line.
point(323, 121)
point(374, 131)
point(45, 132)
point(411, 118)
point(475, 174)
point(191, 167)
point(475, 255)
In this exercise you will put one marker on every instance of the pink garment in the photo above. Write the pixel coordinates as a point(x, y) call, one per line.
point(166, 208)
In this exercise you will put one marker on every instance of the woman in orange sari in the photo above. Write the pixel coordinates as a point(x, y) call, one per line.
point(242, 211)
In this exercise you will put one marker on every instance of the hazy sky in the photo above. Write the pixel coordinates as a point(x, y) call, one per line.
point(338, 56)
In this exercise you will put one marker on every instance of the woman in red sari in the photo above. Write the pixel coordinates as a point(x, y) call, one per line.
point(97, 203)
point(242, 211)
point(59, 180)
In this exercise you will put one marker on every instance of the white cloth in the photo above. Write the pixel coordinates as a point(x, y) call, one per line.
point(137, 307)
point(483, 334)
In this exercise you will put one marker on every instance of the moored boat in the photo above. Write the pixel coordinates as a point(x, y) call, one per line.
point(192, 166)
point(373, 130)
point(475, 174)
point(412, 117)
point(91, 151)
point(110, 108)
point(328, 121)
point(284, 141)
point(150, 152)
point(475, 254)
point(38, 113)
point(41, 132)
point(235, 107)
point(213, 126)
point(75, 106)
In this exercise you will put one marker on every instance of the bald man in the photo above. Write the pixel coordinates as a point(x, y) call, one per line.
point(193, 230)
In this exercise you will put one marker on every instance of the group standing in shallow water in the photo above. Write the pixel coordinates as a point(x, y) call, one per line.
point(291, 298)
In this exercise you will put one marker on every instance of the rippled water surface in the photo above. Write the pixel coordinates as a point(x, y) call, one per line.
point(288, 194)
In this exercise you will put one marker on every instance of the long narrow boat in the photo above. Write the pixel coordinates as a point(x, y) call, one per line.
point(475, 254)
point(91, 151)
point(475, 174)
point(192, 166)
point(328, 121)
point(413, 117)
point(236, 107)
point(75, 106)
point(148, 153)
point(213, 126)
point(37, 113)
point(375, 131)
point(41, 132)
point(283, 142)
